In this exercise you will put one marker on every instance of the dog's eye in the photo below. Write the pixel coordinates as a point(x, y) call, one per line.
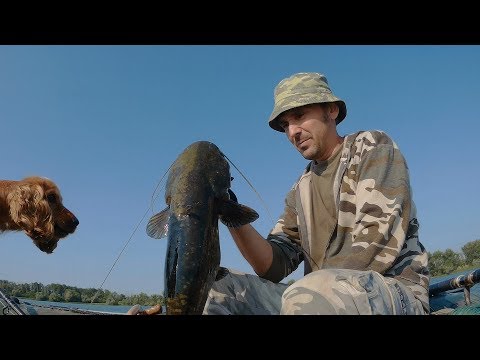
point(52, 198)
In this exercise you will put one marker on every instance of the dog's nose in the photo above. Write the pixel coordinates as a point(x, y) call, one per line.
point(75, 221)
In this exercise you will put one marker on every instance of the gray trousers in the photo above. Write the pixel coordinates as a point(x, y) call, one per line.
point(322, 292)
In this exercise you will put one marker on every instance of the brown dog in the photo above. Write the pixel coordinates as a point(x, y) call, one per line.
point(34, 205)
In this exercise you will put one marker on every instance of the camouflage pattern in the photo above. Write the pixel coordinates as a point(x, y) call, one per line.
point(238, 293)
point(303, 89)
point(323, 292)
point(377, 228)
point(349, 292)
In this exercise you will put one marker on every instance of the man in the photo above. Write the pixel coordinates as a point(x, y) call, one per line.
point(350, 217)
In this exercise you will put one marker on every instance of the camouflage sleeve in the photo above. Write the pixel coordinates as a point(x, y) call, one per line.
point(380, 201)
point(285, 241)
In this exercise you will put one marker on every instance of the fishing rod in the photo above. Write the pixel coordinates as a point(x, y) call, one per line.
point(465, 281)
point(9, 305)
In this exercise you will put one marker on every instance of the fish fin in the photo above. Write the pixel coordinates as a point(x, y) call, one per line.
point(157, 226)
point(233, 214)
point(221, 273)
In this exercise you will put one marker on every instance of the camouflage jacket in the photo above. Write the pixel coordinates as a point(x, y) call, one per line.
point(376, 228)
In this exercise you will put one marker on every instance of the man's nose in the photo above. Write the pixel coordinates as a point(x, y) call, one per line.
point(293, 131)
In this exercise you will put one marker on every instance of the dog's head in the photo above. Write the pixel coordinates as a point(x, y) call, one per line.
point(36, 206)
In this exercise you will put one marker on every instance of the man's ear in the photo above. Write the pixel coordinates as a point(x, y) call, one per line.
point(333, 110)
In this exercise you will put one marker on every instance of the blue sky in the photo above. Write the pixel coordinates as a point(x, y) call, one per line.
point(106, 122)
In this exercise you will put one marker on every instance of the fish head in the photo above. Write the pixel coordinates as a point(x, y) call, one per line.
point(200, 168)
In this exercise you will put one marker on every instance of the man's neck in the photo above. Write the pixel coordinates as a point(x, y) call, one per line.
point(335, 146)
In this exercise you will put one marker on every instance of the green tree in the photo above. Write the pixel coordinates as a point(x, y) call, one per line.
point(17, 292)
point(444, 262)
point(61, 292)
point(155, 299)
point(471, 251)
point(54, 297)
point(42, 296)
point(111, 300)
point(99, 296)
point(36, 287)
point(57, 288)
point(71, 295)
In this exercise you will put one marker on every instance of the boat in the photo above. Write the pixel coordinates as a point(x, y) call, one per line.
point(458, 294)
point(11, 305)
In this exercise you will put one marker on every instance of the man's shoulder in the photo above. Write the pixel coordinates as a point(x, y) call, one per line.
point(371, 137)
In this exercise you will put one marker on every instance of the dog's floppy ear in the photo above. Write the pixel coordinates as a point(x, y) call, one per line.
point(30, 210)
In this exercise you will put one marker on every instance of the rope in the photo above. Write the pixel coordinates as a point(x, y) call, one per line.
point(250, 184)
point(133, 233)
point(265, 205)
point(155, 196)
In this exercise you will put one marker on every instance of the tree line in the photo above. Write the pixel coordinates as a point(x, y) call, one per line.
point(439, 262)
point(65, 293)
point(448, 261)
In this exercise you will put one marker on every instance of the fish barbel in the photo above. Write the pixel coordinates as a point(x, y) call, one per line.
point(196, 194)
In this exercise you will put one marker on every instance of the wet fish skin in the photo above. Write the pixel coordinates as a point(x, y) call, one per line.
point(197, 196)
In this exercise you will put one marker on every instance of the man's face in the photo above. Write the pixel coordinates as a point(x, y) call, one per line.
point(311, 129)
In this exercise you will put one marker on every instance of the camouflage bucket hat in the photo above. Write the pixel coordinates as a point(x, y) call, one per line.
point(303, 89)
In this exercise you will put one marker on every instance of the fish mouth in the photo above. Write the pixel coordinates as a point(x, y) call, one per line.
point(176, 304)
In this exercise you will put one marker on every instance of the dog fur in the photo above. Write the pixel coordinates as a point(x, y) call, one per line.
point(34, 205)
